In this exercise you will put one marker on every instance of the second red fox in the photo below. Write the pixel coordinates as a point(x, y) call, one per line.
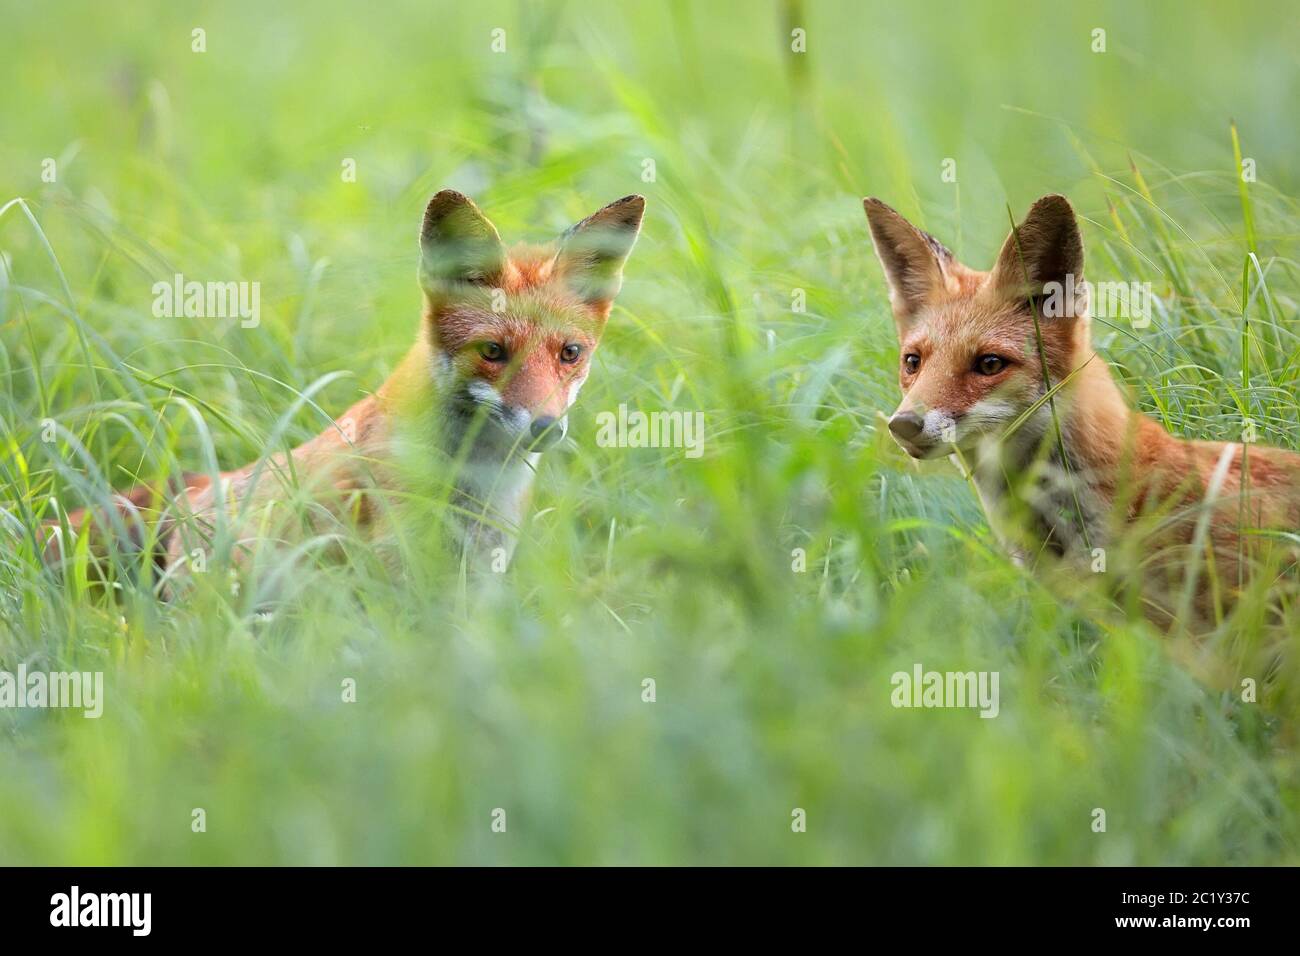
point(503, 346)
point(979, 353)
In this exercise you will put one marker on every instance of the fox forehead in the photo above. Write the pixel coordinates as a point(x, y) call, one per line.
point(972, 319)
point(529, 267)
point(459, 326)
point(515, 313)
point(968, 325)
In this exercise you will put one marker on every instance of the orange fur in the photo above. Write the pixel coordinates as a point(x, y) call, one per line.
point(534, 303)
point(1120, 472)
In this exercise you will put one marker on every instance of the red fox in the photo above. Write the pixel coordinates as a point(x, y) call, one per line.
point(504, 346)
point(1062, 464)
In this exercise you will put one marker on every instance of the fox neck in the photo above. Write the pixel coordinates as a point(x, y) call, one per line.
point(1054, 492)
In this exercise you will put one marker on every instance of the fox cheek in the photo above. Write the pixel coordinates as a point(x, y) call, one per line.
point(483, 393)
point(486, 371)
point(575, 386)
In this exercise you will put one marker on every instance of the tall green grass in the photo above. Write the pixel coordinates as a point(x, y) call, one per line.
point(525, 692)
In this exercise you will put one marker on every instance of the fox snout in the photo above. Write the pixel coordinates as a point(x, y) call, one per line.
point(929, 433)
point(532, 429)
point(924, 434)
point(906, 424)
point(547, 431)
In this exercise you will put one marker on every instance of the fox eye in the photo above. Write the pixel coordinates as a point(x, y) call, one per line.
point(912, 361)
point(492, 351)
point(569, 354)
point(990, 364)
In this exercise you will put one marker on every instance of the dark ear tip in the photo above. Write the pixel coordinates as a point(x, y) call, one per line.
point(1053, 202)
point(444, 200)
point(629, 209)
point(875, 207)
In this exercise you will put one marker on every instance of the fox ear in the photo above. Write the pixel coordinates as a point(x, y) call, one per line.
point(914, 261)
point(1045, 248)
point(457, 243)
point(593, 251)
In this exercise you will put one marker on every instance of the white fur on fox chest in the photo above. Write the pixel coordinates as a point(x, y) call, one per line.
point(1065, 505)
point(492, 498)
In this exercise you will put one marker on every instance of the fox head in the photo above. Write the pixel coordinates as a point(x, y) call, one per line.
point(513, 331)
point(973, 344)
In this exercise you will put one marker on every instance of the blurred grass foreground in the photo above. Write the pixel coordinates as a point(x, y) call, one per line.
point(690, 659)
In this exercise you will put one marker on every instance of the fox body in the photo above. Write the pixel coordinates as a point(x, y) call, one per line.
point(504, 346)
point(1062, 464)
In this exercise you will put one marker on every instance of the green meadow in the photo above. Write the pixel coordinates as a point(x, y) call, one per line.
point(770, 587)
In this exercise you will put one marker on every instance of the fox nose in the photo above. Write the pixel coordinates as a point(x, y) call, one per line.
point(546, 431)
point(907, 425)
